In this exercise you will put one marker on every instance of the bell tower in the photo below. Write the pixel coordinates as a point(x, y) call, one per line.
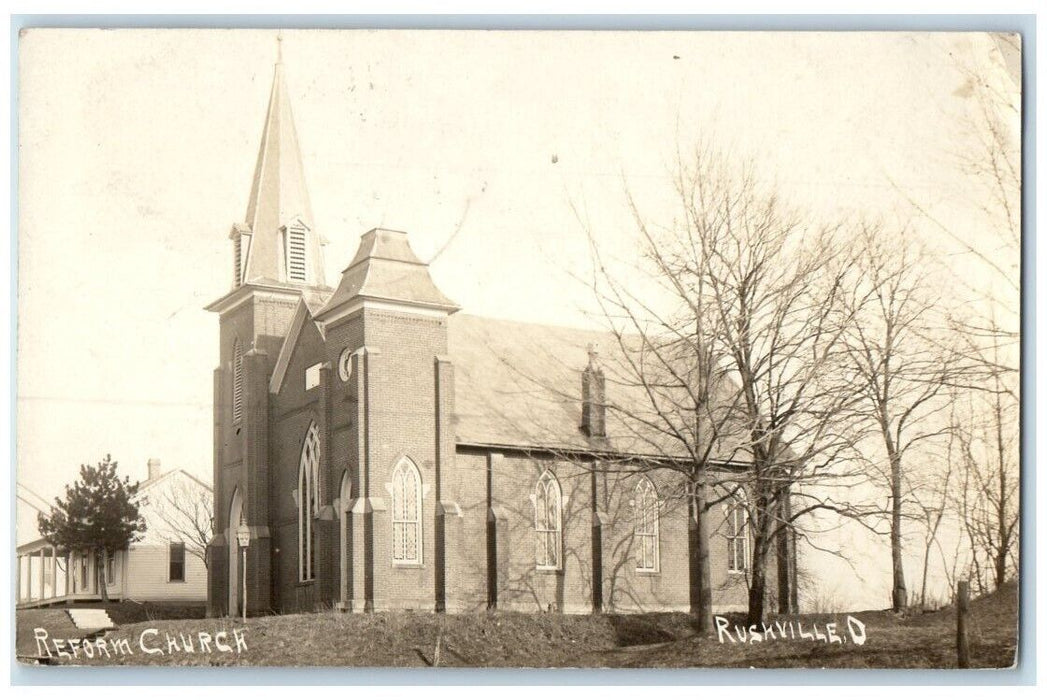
point(277, 256)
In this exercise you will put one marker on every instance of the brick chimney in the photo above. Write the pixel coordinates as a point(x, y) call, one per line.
point(154, 467)
point(594, 409)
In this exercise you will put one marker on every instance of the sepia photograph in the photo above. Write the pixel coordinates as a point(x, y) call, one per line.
point(531, 349)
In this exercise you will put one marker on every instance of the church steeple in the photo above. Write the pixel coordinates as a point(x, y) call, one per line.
point(278, 241)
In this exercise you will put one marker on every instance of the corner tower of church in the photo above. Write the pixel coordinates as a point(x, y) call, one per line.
point(277, 257)
point(386, 329)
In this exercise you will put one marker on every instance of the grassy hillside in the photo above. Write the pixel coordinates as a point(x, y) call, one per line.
point(550, 640)
point(56, 622)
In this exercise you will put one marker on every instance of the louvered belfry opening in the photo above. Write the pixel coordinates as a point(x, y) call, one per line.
point(237, 261)
point(296, 254)
point(238, 382)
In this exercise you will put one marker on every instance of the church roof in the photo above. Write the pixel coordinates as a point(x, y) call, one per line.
point(520, 385)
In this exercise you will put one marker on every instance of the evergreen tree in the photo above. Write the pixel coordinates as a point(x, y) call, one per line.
point(99, 513)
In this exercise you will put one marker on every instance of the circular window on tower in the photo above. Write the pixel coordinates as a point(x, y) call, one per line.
point(344, 364)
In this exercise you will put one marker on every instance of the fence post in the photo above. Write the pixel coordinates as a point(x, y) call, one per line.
point(962, 651)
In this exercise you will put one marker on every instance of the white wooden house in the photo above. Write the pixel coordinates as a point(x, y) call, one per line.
point(166, 565)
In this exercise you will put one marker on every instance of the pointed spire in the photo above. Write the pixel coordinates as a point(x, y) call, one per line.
point(279, 199)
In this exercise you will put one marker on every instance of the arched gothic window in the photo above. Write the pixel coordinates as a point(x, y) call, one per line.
point(645, 506)
point(548, 522)
point(238, 382)
point(737, 535)
point(308, 500)
point(407, 513)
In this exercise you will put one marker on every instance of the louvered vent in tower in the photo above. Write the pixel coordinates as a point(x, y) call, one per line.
point(237, 261)
point(238, 382)
point(296, 254)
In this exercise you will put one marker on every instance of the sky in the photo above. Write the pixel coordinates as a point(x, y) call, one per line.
point(495, 151)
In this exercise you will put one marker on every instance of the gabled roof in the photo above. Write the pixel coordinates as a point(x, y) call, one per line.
point(154, 482)
point(305, 313)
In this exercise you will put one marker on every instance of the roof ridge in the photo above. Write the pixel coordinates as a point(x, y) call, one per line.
point(149, 483)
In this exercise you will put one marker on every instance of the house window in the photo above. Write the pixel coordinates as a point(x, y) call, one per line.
point(84, 583)
point(176, 562)
point(110, 568)
point(308, 499)
point(646, 525)
point(296, 254)
point(407, 513)
point(238, 382)
point(548, 522)
point(737, 537)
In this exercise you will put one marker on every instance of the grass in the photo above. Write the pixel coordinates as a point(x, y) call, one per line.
point(503, 639)
point(125, 612)
point(58, 624)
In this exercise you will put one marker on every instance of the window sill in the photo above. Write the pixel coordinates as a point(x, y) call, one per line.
point(648, 572)
point(548, 570)
point(735, 572)
point(304, 584)
point(408, 565)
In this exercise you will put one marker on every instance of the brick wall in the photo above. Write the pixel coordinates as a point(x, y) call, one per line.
point(399, 405)
point(521, 586)
point(344, 449)
point(293, 410)
point(625, 589)
point(466, 535)
point(402, 349)
point(241, 449)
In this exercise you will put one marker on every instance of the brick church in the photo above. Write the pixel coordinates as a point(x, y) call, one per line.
point(387, 451)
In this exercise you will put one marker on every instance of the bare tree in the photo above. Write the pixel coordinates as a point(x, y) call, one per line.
point(668, 401)
point(986, 289)
point(753, 294)
point(931, 500)
point(988, 501)
point(903, 368)
point(187, 513)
